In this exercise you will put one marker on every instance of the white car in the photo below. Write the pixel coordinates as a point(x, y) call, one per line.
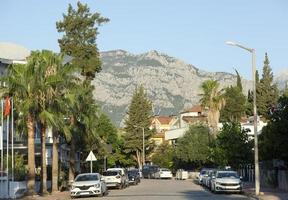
point(89, 184)
point(163, 173)
point(226, 181)
point(116, 177)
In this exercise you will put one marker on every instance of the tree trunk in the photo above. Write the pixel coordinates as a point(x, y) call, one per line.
point(72, 161)
point(31, 155)
point(43, 157)
point(138, 159)
point(55, 162)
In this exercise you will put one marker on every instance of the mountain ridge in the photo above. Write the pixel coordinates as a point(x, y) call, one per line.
point(171, 84)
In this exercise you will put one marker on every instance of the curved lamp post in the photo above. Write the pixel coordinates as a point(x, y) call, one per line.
point(256, 160)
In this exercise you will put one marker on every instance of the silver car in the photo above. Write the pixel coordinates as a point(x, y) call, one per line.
point(226, 181)
point(89, 184)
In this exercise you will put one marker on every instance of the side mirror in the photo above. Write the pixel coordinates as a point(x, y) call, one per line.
point(241, 177)
point(213, 177)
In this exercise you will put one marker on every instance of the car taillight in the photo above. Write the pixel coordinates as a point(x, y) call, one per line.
point(118, 176)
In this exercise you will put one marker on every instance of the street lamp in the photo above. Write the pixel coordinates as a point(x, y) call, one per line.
point(257, 178)
point(143, 143)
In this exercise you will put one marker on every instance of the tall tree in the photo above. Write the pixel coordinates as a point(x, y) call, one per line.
point(235, 105)
point(213, 99)
point(268, 93)
point(274, 137)
point(194, 145)
point(80, 28)
point(20, 84)
point(232, 146)
point(138, 120)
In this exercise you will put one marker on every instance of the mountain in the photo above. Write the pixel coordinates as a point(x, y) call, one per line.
point(281, 79)
point(171, 84)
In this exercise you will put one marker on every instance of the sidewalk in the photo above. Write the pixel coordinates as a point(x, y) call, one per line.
point(265, 193)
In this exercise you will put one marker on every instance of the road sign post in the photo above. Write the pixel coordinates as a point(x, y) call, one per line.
point(91, 157)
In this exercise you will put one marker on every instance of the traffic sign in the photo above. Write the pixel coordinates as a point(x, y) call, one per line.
point(91, 157)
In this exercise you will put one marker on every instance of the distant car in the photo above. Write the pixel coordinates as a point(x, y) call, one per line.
point(208, 179)
point(116, 177)
point(149, 171)
point(133, 176)
point(203, 173)
point(163, 173)
point(89, 184)
point(181, 174)
point(226, 181)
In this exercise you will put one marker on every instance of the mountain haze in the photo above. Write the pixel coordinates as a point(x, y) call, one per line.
point(171, 84)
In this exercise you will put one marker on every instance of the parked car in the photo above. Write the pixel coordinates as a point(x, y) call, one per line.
point(203, 173)
point(181, 174)
point(149, 171)
point(207, 180)
point(226, 181)
point(89, 184)
point(116, 177)
point(133, 176)
point(163, 173)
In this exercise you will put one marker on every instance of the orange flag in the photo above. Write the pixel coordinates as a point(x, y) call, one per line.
point(7, 107)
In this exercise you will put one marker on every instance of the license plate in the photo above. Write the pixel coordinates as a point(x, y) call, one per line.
point(85, 193)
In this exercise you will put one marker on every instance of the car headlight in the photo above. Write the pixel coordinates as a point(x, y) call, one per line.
point(218, 183)
point(97, 185)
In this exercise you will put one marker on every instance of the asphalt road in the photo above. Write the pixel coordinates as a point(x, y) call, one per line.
point(167, 190)
point(151, 190)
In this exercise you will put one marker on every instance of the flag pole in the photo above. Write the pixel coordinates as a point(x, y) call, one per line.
point(2, 149)
point(7, 156)
point(12, 139)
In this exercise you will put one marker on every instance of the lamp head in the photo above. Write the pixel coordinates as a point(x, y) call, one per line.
point(230, 43)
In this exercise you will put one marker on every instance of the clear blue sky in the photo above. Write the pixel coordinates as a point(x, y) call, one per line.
point(192, 30)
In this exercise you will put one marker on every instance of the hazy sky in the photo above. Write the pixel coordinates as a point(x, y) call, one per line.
point(192, 30)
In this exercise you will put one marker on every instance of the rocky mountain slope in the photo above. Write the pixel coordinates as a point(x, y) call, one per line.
point(171, 84)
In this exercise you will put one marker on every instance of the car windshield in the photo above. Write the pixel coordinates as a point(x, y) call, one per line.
point(203, 172)
point(110, 173)
point(133, 172)
point(227, 175)
point(87, 177)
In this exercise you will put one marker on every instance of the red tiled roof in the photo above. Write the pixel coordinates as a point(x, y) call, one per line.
point(194, 109)
point(164, 119)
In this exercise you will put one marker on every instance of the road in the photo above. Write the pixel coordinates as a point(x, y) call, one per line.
point(157, 189)
point(168, 190)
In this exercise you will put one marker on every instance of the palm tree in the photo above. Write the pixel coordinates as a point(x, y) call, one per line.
point(53, 84)
point(212, 99)
point(21, 86)
point(83, 116)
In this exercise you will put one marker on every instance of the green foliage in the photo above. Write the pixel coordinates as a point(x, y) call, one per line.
point(274, 138)
point(194, 145)
point(138, 120)
point(213, 99)
point(239, 83)
point(231, 146)
point(267, 92)
point(235, 105)
point(80, 28)
point(20, 170)
point(163, 156)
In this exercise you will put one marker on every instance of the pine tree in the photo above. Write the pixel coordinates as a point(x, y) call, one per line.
point(79, 39)
point(139, 114)
point(267, 91)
